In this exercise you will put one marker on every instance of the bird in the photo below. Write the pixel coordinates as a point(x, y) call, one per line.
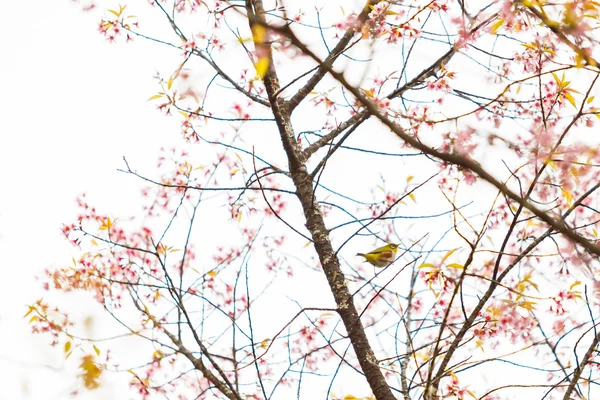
point(381, 256)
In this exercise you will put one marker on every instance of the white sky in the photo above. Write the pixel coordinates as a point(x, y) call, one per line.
point(71, 107)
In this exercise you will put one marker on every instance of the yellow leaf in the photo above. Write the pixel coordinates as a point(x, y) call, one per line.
point(118, 14)
point(570, 98)
point(97, 350)
point(412, 197)
point(496, 25)
point(426, 265)
point(409, 178)
point(259, 34)
point(576, 283)
point(568, 196)
point(67, 347)
point(454, 265)
point(264, 343)
point(448, 254)
point(34, 318)
point(239, 216)
point(106, 224)
point(528, 305)
point(262, 66)
point(29, 311)
point(590, 99)
point(557, 79)
point(370, 93)
point(387, 12)
point(212, 273)
point(156, 96)
point(479, 343)
point(579, 61)
point(170, 83)
point(90, 372)
point(157, 355)
point(534, 285)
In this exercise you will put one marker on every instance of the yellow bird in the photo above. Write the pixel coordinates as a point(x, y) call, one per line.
point(381, 256)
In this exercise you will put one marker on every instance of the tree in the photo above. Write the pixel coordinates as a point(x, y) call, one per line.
point(462, 132)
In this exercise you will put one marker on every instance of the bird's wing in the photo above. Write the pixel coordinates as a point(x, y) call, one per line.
point(380, 250)
point(386, 255)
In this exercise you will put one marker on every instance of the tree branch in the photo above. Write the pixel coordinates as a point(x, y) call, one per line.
point(331, 57)
point(451, 158)
point(315, 222)
point(363, 115)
